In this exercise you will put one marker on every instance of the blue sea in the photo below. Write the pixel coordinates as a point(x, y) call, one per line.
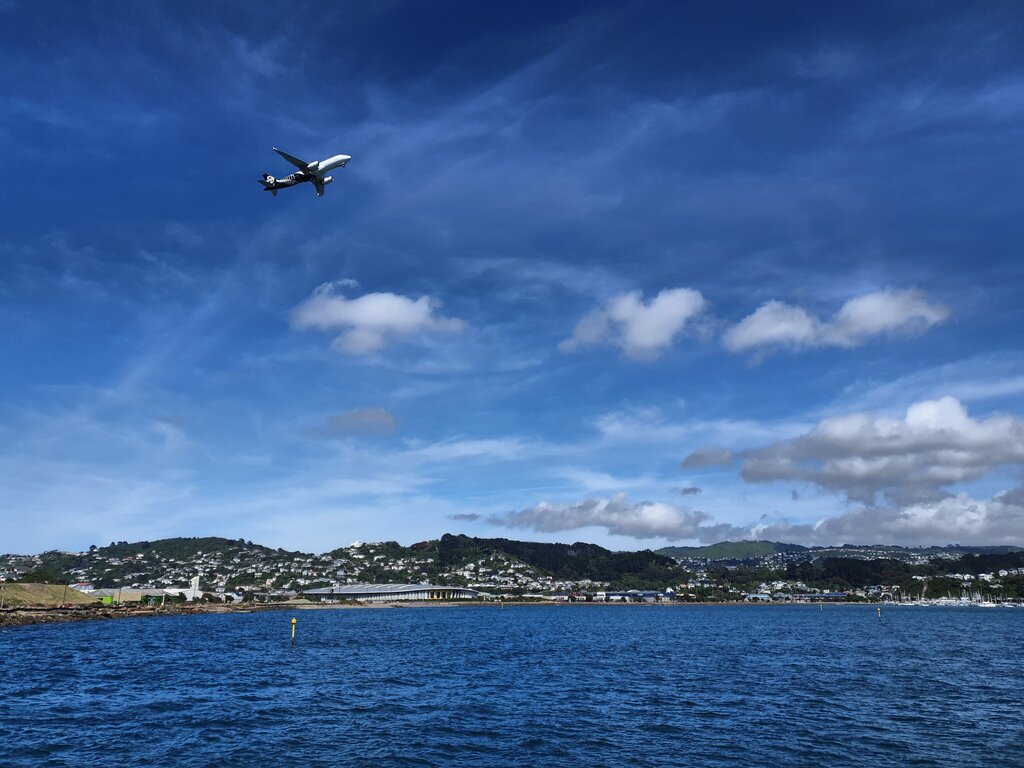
point(520, 686)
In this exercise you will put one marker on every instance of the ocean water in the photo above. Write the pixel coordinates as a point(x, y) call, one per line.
point(521, 686)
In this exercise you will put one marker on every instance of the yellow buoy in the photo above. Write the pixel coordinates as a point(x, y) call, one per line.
point(294, 622)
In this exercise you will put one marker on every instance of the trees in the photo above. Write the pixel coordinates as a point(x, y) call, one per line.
point(43, 576)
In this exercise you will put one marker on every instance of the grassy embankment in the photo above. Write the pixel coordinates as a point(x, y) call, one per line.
point(41, 596)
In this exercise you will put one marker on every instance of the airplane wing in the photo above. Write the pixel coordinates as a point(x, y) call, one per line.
point(300, 164)
point(319, 184)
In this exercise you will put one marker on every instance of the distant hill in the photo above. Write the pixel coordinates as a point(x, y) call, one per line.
point(495, 564)
point(1003, 549)
point(180, 548)
point(566, 561)
point(138, 562)
point(730, 550)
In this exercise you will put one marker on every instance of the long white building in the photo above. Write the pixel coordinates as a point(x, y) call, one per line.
point(387, 593)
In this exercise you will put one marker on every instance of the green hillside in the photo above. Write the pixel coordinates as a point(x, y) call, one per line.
point(141, 561)
point(181, 548)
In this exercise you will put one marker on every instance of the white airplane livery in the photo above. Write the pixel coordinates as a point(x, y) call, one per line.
point(315, 172)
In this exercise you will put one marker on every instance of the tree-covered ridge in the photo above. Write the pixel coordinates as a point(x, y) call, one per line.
point(730, 550)
point(579, 561)
point(755, 550)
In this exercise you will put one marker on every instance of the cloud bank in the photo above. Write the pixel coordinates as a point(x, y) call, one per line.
point(642, 330)
point(957, 519)
point(777, 325)
point(936, 444)
point(370, 322)
point(901, 471)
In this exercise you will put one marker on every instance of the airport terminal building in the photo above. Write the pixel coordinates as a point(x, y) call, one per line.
point(388, 593)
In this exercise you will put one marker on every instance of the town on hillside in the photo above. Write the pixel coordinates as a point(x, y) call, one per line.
point(236, 570)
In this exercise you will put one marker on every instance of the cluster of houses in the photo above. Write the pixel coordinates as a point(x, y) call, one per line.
point(778, 560)
point(989, 578)
point(251, 572)
point(239, 570)
point(151, 596)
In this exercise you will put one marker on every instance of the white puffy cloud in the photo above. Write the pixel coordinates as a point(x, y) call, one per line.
point(880, 313)
point(368, 323)
point(640, 520)
point(957, 519)
point(936, 444)
point(642, 330)
point(901, 473)
point(777, 325)
point(774, 323)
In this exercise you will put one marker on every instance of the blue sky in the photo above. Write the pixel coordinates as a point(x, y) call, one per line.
point(634, 274)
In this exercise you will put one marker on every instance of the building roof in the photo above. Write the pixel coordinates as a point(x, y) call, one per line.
point(381, 589)
point(126, 593)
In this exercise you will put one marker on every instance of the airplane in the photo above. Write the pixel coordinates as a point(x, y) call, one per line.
point(315, 172)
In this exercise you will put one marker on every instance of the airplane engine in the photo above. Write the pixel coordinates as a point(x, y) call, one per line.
point(328, 180)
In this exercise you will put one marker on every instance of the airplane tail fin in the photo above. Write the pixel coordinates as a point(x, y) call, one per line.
point(268, 182)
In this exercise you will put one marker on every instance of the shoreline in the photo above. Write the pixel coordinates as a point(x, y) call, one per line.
point(28, 616)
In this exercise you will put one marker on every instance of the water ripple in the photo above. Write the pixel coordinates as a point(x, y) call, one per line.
point(586, 686)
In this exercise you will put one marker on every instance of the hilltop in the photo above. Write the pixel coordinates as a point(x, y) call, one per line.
point(730, 550)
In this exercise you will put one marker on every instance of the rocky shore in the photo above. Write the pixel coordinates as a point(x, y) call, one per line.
point(17, 617)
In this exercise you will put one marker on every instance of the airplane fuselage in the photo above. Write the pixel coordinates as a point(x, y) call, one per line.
point(290, 181)
point(326, 166)
point(315, 172)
